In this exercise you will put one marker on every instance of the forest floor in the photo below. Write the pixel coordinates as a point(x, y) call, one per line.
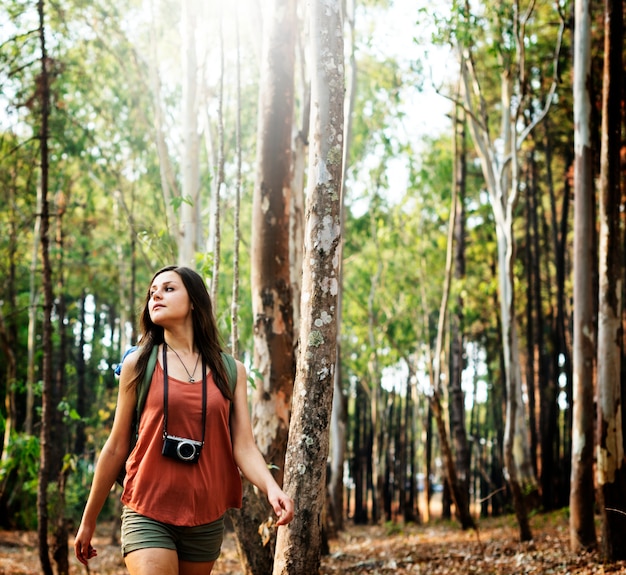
point(433, 549)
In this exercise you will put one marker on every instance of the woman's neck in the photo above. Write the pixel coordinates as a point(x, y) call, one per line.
point(182, 343)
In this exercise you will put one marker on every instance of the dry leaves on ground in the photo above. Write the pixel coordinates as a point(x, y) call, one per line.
point(434, 549)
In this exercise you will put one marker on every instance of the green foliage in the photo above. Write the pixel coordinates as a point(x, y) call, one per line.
point(19, 474)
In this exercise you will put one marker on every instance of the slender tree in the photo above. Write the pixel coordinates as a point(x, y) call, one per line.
point(611, 472)
point(582, 527)
point(219, 176)
point(298, 547)
point(234, 304)
point(48, 405)
point(459, 496)
point(189, 207)
point(456, 238)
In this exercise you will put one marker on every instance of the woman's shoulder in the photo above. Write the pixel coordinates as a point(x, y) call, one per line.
point(129, 361)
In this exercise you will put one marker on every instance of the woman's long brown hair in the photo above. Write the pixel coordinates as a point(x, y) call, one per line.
point(205, 333)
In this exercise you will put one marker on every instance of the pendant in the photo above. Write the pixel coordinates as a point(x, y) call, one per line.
point(191, 380)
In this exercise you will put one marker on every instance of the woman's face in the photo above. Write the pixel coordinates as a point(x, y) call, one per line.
point(169, 301)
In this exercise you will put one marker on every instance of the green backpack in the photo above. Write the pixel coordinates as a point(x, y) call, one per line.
point(142, 393)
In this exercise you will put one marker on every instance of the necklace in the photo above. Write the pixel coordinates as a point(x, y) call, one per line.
point(190, 375)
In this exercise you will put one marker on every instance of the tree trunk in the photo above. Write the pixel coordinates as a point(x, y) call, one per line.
point(270, 274)
point(7, 346)
point(33, 306)
point(9, 335)
point(339, 422)
point(373, 369)
point(611, 471)
point(169, 187)
point(60, 538)
point(514, 408)
point(338, 426)
point(428, 461)
point(582, 527)
point(460, 498)
point(298, 182)
point(412, 513)
point(234, 304)
point(189, 209)
point(248, 521)
point(362, 455)
point(562, 364)
point(456, 394)
point(298, 547)
point(48, 405)
point(547, 376)
point(215, 246)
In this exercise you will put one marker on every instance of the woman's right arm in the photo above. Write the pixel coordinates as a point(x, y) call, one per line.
point(112, 458)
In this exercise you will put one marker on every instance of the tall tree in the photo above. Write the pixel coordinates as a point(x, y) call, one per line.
point(189, 208)
point(61, 472)
point(582, 527)
point(234, 304)
point(270, 273)
point(460, 497)
point(48, 405)
point(611, 470)
point(456, 394)
point(298, 547)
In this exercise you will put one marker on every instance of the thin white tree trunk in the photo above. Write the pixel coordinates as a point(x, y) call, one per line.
point(189, 159)
point(234, 304)
point(219, 177)
point(168, 180)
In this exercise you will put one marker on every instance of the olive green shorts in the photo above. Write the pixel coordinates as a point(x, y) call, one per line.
point(200, 543)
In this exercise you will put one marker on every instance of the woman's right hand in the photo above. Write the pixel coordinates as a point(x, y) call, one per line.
point(82, 544)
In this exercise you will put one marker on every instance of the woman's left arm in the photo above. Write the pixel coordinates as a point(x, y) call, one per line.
point(248, 457)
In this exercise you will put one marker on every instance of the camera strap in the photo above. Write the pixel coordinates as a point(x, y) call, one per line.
point(165, 394)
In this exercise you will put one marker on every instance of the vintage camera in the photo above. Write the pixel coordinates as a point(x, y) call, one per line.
point(186, 450)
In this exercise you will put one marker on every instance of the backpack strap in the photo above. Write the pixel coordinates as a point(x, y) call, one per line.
point(231, 370)
point(144, 385)
point(142, 392)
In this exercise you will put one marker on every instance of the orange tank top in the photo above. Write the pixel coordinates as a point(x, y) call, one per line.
point(176, 492)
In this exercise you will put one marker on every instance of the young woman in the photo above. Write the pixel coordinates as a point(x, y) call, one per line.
point(183, 474)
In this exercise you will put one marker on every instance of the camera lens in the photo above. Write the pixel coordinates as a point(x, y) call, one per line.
point(186, 450)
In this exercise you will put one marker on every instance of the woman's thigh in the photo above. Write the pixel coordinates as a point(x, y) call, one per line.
point(152, 561)
point(157, 561)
